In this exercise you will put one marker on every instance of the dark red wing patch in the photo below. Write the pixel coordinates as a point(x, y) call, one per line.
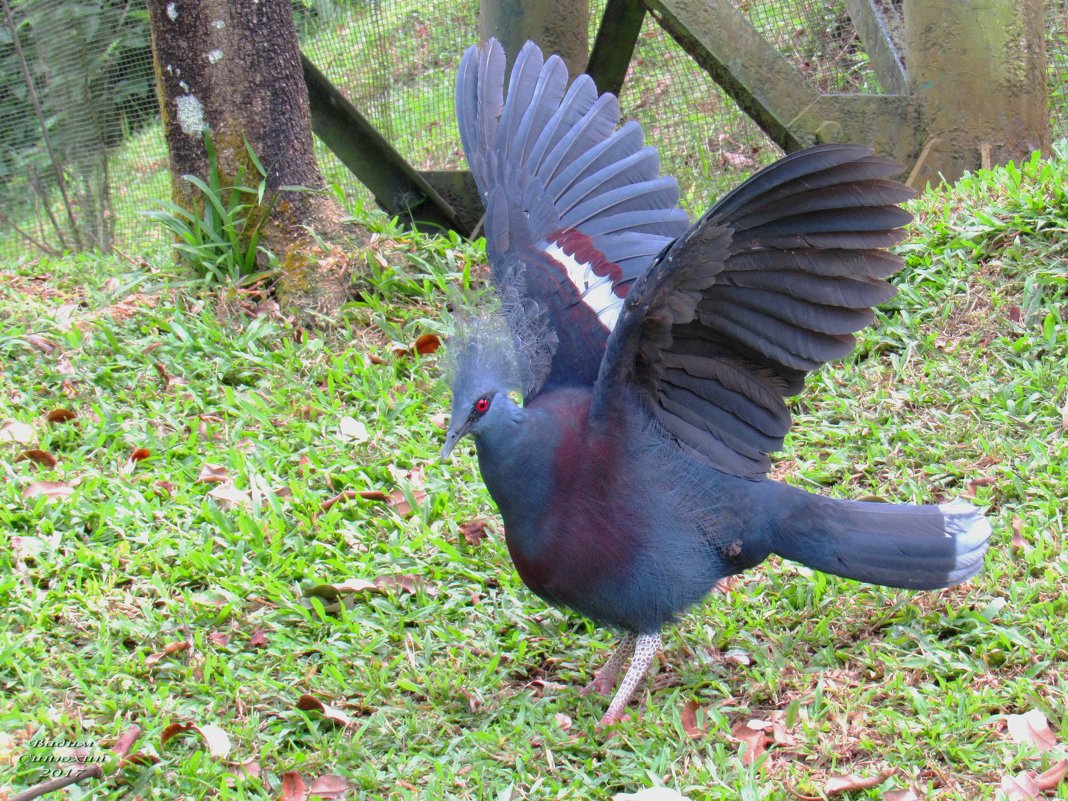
point(596, 280)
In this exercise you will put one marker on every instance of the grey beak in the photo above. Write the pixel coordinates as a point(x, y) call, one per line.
point(456, 433)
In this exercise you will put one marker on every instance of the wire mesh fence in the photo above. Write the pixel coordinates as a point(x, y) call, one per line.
point(76, 84)
point(82, 152)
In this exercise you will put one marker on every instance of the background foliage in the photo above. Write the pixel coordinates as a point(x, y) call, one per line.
point(90, 66)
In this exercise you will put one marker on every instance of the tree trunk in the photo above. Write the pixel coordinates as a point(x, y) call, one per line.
point(979, 70)
point(556, 26)
point(232, 68)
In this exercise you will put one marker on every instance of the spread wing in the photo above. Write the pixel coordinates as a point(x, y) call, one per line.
point(768, 285)
point(575, 206)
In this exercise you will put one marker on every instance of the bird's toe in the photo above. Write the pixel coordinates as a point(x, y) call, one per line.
point(610, 720)
point(601, 685)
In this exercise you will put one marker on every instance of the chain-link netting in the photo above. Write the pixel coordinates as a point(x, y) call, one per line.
point(76, 89)
point(77, 101)
point(1057, 66)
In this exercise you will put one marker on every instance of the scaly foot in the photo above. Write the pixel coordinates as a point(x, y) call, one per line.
point(604, 680)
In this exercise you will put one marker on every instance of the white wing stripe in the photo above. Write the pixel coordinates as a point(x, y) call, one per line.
point(598, 295)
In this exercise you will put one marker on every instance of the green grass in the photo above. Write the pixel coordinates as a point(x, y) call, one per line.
point(456, 690)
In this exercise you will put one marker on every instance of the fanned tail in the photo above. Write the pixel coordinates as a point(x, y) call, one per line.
point(895, 545)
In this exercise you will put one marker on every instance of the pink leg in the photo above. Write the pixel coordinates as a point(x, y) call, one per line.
point(604, 680)
point(645, 648)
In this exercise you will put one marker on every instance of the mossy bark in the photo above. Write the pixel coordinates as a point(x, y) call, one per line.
point(979, 69)
point(232, 68)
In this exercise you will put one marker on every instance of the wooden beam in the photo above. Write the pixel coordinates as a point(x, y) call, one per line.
point(614, 46)
point(395, 184)
point(890, 124)
point(979, 69)
point(721, 39)
point(883, 51)
point(459, 190)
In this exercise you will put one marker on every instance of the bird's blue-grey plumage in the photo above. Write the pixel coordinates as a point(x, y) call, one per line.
point(655, 358)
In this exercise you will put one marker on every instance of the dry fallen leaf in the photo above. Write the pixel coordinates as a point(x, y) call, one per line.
point(331, 592)
point(689, 720)
point(228, 496)
point(1031, 727)
point(60, 416)
point(836, 785)
point(399, 501)
point(440, 421)
point(352, 430)
point(28, 548)
point(736, 656)
point(474, 703)
point(755, 740)
point(258, 638)
point(293, 787)
point(138, 455)
point(309, 703)
point(474, 531)
point(981, 481)
point(779, 732)
point(217, 741)
point(563, 721)
point(37, 456)
point(335, 593)
point(125, 743)
point(329, 786)
point(53, 490)
point(1026, 786)
point(141, 759)
point(249, 769)
point(738, 161)
point(1018, 541)
point(41, 343)
point(724, 585)
point(415, 479)
point(1050, 779)
point(212, 474)
point(1021, 787)
point(426, 344)
point(908, 794)
point(407, 582)
point(220, 638)
point(62, 315)
point(168, 649)
point(652, 794)
point(14, 431)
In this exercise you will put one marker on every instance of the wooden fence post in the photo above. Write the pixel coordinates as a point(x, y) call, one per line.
point(977, 67)
point(556, 26)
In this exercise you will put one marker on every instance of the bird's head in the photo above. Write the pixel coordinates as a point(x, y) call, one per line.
point(475, 412)
point(484, 373)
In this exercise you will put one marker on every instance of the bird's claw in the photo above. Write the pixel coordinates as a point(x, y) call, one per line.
point(602, 685)
point(611, 720)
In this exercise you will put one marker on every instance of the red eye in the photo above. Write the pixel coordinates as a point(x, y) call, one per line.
point(481, 405)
